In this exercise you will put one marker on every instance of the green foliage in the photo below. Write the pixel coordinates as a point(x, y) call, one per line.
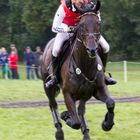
point(4, 23)
point(122, 28)
point(29, 22)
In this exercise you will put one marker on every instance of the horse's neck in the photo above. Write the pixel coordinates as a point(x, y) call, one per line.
point(83, 61)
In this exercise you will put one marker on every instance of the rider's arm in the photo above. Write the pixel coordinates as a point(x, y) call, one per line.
point(58, 25)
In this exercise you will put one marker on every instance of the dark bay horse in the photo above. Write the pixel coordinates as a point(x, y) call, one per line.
point(81, 77)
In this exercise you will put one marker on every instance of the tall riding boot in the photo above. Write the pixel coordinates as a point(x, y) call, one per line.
point(55, 66)
point(108, 80)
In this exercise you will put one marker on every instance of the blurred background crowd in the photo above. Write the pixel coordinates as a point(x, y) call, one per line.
point(9, 62)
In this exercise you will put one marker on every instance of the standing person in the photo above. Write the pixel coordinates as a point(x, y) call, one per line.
point(13, 48)
point(0, 61)
point(37, 54)
point(4, 63)
point(29, 60)
point(67, 18)
point(13, 61)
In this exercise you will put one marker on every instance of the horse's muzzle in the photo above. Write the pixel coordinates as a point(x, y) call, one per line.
point(91, 52)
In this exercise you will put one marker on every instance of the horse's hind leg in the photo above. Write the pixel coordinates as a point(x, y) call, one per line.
point(53, 106)
point(84, 125)
point(102, 94)
point(73, 120)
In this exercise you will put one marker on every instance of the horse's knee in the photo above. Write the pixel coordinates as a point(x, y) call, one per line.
point(110, 103)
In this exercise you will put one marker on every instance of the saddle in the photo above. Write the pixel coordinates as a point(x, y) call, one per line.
point(66, 50)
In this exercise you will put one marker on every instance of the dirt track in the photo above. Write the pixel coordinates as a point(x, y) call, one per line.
point(60, 102)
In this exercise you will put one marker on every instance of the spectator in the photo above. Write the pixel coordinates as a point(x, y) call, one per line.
point(13, 48)
point(0, 59)
point(37, 54)
point(29, 61)
point(4, 63)
point(13, 61)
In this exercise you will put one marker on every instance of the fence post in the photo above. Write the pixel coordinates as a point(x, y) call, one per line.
point(125, 71)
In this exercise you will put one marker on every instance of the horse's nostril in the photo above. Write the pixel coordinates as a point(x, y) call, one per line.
point(91, 52)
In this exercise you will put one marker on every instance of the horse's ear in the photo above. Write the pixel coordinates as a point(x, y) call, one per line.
point(98, 5)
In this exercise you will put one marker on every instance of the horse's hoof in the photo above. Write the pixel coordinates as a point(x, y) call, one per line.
point(106, 126)
point(59, 135)
point(86, 137)
point(70, 123)
point(67, 118)
point(65, 115)
point(76, 126)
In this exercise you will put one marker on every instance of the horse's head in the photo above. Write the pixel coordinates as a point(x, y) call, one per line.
point(89, 32)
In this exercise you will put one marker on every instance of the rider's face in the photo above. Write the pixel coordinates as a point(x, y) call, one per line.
point(78, 3)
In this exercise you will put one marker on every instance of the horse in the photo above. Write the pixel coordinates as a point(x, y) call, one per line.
point(81, 77)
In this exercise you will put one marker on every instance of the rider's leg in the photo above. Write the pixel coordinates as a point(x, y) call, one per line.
point(105, 46)
point(59, 40)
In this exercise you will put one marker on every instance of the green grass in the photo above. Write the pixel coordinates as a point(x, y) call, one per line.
point(24, 90)
point(27, 90)
point(21, 90)
point(37, 124)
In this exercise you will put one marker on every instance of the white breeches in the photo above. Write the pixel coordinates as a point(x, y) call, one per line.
point(59, 40)
point(105, 46)
point(62, 37)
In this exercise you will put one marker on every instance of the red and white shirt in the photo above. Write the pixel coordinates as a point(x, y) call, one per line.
point(66, 17)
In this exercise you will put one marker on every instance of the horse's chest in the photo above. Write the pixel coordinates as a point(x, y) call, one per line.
point(81, 89)
point(86, 91)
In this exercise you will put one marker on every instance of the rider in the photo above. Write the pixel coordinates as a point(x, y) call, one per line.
point(65, 19)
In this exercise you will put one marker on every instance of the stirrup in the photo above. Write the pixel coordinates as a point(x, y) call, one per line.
point(109, 80)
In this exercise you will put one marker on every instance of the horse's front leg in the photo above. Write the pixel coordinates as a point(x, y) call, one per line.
point(56, 118)
point(102, 94)
point(70, 116)
point(84, 125)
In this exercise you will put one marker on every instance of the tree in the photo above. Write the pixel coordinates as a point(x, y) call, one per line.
point(121, 26)
point(38, 16)
point(4, 23)
point(29, 22)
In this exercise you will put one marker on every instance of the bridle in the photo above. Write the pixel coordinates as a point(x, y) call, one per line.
point(91, 35)
point(96, 36)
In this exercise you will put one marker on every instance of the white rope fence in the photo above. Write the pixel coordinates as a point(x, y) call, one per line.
point(134, 63)
point(125, 68)
point(124, 63)
point(125, 71)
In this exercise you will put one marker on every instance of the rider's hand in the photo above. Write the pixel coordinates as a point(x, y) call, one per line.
point(67, 29)
point(73, 30)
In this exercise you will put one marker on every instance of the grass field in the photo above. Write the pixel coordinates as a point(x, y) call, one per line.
point(24, 90)
point(37, 124)
point(20, 90)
